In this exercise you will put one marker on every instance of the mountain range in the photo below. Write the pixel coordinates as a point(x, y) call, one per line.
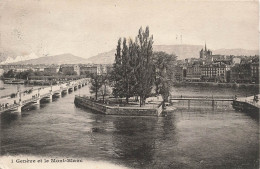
point(56, 59)
point(182, 51)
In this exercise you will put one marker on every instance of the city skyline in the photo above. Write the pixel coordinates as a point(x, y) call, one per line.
point(86, 28)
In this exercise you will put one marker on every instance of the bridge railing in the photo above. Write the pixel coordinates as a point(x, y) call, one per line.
point(29, 100)
point(44, 95)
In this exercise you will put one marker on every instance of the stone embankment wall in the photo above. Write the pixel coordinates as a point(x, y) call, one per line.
point(212, 84)
point(116, 110)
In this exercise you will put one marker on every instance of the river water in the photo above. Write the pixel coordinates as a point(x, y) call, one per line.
point(7, 89)
point(196, 137)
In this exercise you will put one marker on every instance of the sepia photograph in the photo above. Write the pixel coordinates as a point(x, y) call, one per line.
point(129, 84)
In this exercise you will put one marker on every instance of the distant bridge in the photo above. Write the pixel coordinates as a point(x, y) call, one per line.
point(22, 98)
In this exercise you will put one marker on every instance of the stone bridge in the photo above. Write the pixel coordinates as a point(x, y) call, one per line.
point(38, 94)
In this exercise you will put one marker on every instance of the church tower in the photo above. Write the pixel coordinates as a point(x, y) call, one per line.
point(204, 53)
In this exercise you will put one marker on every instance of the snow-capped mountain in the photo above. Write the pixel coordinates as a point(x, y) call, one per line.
point(20, 58)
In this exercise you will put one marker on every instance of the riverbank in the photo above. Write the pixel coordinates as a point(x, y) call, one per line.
point(247, 104)
point(152, 109)
point(214, 84)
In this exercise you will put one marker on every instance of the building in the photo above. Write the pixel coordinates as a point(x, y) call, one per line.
point(17, 68)
point(218, 68)
point(217, 58)
point(51, 69)
point(70, 69)
point(241, 73)
point(235, 60)
point(215, 72)
point(39, 68)
point(76, 69)
point(193, 72)
point(179, 74)
point(95, 69)
point(101, 69)
point(88, 69)
point(205, 53)
point(255, 72)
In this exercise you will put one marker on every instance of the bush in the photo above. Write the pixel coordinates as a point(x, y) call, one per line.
point(13, 95)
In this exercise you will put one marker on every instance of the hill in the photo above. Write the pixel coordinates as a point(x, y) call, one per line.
point(182, 51)
point(236, 52)
point(103, 58)
point(57, 59)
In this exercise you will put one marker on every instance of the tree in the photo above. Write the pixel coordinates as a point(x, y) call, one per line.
point(133, 68)
point(164, 73)
point(25, 74)
point(127, 70)
point(117, 73)
point(96, 83)
point(10, 74)
point(144, 68)
point(137, 69)
point(104, 90)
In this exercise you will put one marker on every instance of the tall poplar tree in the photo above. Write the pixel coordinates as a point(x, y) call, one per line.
point(117, 73)
point(132, 67)
point(144, 69)
point(125, 70)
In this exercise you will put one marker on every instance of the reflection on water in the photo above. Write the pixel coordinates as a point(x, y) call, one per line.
point(199, 137)
point(7, 118)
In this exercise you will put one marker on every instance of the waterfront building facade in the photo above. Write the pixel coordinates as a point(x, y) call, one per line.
point(218, 68)
point(88, 69)
point(193, 72)
point(70, 68)
point(52, 69)
point(255, 72)
point(179, 74)
point(241, 74)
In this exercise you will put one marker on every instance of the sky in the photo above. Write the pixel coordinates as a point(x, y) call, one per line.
point(87, 27)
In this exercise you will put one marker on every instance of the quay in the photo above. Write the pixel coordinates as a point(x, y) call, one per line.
point(36, 95)
point(247, 104)
point(217, 84)
point(154, 109)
